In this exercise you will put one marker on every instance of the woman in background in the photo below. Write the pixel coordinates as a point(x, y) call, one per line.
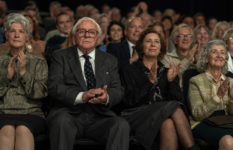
point(228, 39)
point(219, 30)
point(34, 41)
point(115, 32)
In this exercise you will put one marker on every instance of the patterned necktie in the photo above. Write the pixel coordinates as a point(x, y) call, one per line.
point(89, 74)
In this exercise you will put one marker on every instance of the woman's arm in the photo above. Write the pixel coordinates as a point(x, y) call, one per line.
point(4, 81)
point(34, 80)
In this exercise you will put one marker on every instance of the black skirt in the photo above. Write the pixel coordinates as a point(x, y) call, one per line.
point(145, 121)
point(35, 124)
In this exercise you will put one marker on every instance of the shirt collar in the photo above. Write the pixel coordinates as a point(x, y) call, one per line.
point(130, 44)
point(63, 35)
point(209, 76)
point(179, 55)
point(11, 55)
point(91, 54)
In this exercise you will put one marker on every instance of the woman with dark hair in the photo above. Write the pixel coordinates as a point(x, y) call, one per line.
point(168, 28)
point(159, 27)
point(152, 98)
point(168, 25)
point(116, 32)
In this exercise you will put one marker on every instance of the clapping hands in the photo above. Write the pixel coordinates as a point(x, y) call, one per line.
point(173, 71)
point(95, 96)
point(223, 88)
point(21, 57)
point(153, 73)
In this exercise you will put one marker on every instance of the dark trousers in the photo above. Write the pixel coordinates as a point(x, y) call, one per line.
point(66, 126)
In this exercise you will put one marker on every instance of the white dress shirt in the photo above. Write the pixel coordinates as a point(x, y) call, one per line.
point(78, 99)
point(130, 48)
point(91, 55)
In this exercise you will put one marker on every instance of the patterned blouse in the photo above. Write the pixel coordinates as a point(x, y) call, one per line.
point(22, 94)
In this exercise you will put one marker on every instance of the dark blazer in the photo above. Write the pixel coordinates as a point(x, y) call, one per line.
point(139, 90)
point(121, 51)
point(66, 79)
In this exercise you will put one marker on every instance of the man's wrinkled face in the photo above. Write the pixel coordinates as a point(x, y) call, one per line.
point(86, 35)
point(134, 29)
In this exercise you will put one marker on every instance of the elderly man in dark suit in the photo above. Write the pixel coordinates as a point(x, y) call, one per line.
point(124, 51)
point(85, 83)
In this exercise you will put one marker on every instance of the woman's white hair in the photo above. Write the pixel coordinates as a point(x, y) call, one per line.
point(202, 66)
point(17, 18)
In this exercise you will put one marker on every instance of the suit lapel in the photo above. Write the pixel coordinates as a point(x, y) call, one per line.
point(99, 69)
point(76, 67)
point(126, 49)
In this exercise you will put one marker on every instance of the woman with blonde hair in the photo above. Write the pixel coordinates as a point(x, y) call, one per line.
point(219, 30)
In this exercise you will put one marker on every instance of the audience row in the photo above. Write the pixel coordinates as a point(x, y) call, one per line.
point(153, 76)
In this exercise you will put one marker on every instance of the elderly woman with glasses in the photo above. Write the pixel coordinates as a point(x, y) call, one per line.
point(23, 82)
point(211, 93)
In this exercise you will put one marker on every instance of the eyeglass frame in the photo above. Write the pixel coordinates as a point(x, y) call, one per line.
point(87, 31)
point(182, 36)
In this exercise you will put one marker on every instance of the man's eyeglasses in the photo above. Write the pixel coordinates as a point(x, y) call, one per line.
point(91, 33)
point(185, 36)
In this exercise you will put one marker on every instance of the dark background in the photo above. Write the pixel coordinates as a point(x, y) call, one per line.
point(222, 9)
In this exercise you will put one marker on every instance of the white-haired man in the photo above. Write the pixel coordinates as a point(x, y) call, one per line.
point(85, 83)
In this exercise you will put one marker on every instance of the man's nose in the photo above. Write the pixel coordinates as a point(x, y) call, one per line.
point(86, 34)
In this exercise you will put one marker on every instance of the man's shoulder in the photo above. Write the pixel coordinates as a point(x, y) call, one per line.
point(105, 55)
point(64, 52)
point(172, 54)
point(118, 45)
point(170, 57)
point(55, 32)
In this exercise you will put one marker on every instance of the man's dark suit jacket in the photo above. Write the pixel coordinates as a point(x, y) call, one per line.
point(66, 79)
point(121, 51)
